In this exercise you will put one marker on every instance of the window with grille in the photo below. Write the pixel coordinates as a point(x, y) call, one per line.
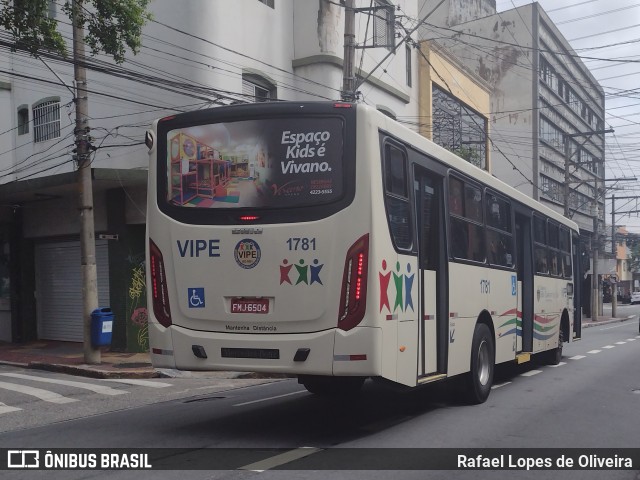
point(23, 120)
point(260, 90)
point(46, 120)
point(458, 128)
point(383, 25)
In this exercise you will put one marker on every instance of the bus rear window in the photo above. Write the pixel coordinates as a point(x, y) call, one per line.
point(265, 163)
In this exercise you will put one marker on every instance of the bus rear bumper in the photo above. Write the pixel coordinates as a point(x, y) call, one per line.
point(330, 352)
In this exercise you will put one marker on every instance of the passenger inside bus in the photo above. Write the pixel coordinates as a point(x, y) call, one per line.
point(459, 239)
point(541, 260)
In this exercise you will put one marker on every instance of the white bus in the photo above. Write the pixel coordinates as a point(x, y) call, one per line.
point(328, 241)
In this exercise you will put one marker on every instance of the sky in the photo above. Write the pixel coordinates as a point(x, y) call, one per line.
point(608, 29)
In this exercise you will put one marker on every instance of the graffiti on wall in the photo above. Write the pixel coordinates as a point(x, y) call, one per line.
point(137, 315)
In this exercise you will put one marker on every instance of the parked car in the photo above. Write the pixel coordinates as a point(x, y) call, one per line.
point(635, 298)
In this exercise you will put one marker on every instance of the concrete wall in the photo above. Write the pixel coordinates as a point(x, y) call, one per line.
point(8, 121)
point(455, 12)
point(508, 69)
point(60, 217)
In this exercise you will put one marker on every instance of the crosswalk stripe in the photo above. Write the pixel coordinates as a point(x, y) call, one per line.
point(4, 408)
point(134, 381)
point(87, 386)
point(45, 395)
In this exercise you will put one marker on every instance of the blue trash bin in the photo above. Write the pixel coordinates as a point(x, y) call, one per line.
point(101, 326)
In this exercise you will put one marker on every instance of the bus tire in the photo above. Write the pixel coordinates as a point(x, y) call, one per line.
point(331, 386)
point(480, 376)
point(553, 357)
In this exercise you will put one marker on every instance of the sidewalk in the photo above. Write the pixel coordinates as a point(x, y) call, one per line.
point(68, 357)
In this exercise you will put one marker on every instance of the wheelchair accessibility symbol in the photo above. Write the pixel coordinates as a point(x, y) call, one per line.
point(196, 297)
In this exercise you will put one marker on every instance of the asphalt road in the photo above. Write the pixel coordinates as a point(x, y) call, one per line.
point(591, 400)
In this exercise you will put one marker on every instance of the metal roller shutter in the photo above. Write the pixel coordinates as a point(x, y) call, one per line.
point(59, 288)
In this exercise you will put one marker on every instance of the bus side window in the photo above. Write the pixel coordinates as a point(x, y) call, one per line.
point(477, 243)
point(473, 203)
point(553, 263)
point(455, 197)
point(396, 196)
point(459, 239)
point(541, 260)
point(500, 248)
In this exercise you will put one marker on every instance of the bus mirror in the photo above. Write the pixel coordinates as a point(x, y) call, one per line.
point(148, 139)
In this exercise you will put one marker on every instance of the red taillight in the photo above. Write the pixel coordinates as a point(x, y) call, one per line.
point(342, 105)
point(249, 218)
point(353, 300)
point(159, 290)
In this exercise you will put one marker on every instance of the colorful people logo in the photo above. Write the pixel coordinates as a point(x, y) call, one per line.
point(307, 274)
point(403, 284)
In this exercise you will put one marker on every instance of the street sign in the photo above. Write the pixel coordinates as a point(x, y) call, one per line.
point(613, 278)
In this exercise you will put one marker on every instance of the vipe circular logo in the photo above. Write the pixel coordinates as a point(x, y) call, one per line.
point(247, 253)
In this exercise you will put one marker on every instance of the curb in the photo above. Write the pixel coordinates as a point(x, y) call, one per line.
point(223, 374)
point(90, 372)
point(14, 364)
point(607, 322)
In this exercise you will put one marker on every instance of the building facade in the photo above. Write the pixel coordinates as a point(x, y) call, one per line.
point(547, 109)
point(470, 61)
point(543, 99)
point(199, 55)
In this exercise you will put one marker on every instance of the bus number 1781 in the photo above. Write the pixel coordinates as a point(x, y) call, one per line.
point(301, 243)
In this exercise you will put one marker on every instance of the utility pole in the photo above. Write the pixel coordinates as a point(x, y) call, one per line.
point(614, 298)
point(614, 287)
point(348, 75)
point(85, 189)
point(595, 244)
point(595, 284)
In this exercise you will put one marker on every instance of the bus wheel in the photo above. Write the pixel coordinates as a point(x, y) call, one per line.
point(331, 386)
point(554, 356)
point(480, 378)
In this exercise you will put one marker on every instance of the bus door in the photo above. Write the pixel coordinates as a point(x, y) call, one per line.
point(524, 242)
point(432, 269)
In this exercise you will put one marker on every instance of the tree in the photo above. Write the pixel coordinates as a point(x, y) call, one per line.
point(471, 155)
point(633, 245)
point(112, 26)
